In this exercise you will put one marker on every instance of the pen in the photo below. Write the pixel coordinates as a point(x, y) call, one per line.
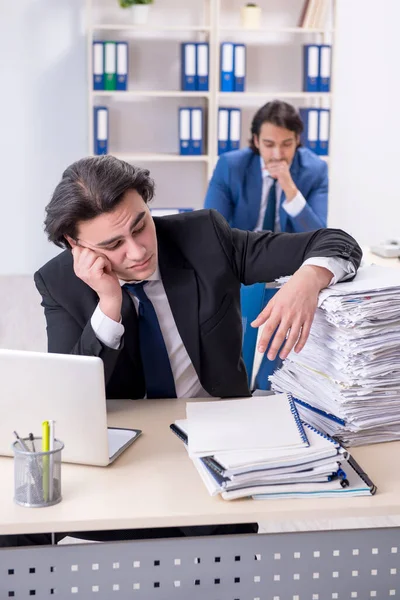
point(23, 445)
point(21, 442)
point(32, 440)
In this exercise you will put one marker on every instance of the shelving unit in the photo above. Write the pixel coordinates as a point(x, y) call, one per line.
point(277, 41)
point(151, 93)
point(162, 157)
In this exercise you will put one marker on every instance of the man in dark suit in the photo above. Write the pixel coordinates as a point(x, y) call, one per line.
point(159, 299)
point(274, 184)
point(193, 265)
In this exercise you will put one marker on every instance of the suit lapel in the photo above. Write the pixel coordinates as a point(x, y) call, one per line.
point(180, 285)
point(253, 189)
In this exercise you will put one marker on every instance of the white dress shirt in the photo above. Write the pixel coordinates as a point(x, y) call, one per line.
point(109, 332)
point(293, 208)
point(187, 383)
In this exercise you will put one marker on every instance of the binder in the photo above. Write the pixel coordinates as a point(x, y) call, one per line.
point(184, 131)
point(98, 65)
point(100, 130)
point(234, 128)
point(223, 130)
point(309, 137)
point(202, 61)
point(321, 413)
point(122, 66)
point(188, 67)
point(227, 81)
point(196, 131)
point(239, 62)
point(110, 66)
point(325, 53)
point(311, 68)
point(323, 132)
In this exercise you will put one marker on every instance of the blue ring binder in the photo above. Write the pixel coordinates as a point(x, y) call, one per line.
point(321, 433)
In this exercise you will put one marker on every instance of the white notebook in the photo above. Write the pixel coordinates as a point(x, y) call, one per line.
point(320, 447)
point(244, 424)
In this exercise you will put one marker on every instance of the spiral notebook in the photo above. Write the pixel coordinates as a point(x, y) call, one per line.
point(243, 424)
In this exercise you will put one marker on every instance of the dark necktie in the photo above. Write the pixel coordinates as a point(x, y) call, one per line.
point(156, 366)
point(269, 217)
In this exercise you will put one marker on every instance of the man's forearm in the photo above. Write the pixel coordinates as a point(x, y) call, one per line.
point(320, 275)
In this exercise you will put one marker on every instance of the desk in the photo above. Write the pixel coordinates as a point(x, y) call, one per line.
point(370, 258)
point(154, 484)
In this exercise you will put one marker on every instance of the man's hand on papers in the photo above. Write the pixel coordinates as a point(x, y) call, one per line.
point(290, 313)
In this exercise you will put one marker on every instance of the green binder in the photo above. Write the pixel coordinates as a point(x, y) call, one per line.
point(110, 66)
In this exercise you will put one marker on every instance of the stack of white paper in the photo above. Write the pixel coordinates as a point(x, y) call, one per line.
point(349, 369)
point(255, 446)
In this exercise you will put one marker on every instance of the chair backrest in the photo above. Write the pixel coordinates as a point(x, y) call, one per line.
point(252, 302)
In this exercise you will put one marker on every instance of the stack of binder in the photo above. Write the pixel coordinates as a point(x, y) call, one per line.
point(229, 129)
point(191, 131)
point(317, 68)
point(110, 66)
point(316, 130)
point(346, 380)
point(194, 66)
point(258, 447)
point(233, 67)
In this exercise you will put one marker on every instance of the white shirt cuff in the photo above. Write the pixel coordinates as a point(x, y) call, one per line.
point(109, 332)
point(295, 206)
point(340, 268)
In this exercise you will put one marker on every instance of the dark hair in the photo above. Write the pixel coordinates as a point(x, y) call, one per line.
point(89, 187)
point(278, 113)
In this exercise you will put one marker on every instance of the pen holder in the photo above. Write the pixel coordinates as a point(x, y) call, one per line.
point(37, 475)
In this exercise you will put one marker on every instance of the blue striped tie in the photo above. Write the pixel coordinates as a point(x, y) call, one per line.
point(156, 366)
point(269, 217)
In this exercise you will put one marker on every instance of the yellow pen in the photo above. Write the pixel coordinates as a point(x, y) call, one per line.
point(45, 448)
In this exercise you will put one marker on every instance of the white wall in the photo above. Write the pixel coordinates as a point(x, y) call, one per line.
point(365, 191)
point(44, 126)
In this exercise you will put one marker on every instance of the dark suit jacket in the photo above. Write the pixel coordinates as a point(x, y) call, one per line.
point(202, 264)
point(236, 185)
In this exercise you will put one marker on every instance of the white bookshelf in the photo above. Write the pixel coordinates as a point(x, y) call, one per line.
point(161, 157)
point(151, 93)
point(148, 28)
point(278, 42)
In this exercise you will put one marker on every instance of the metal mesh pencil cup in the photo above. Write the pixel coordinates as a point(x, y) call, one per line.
point(37, 475)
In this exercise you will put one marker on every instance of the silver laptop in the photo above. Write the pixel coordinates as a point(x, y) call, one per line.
point(36, 387)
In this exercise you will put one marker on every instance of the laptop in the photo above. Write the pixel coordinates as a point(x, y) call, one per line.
point(69, 389)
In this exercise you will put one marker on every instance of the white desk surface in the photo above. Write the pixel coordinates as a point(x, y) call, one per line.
point(155, 484)
point(371, 258)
